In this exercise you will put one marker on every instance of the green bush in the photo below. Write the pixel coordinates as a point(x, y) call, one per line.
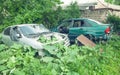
point(115, 21)
point(51, 19)
point(1, 39)
point(72, 60)
point(117, 2)
point(45, 11)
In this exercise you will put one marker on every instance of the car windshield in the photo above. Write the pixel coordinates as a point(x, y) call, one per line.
point(28, 31)
point(41, 28)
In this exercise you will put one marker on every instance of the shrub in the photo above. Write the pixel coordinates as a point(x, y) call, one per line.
point(51, 19)
point(115, 21)
point(21, 12)
point(72, 60)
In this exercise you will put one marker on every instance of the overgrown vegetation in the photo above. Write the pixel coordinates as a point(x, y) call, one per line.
point(117, 2)
point(115, 21)
point(60, 60)
point(52, 18)
point(14, 12)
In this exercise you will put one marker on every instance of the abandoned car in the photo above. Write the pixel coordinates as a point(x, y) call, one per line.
point(92, 29)
point(34, 35)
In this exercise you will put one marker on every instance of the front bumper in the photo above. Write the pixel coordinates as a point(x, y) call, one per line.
point(66, 41)
point(105, 37)
point(59, 39)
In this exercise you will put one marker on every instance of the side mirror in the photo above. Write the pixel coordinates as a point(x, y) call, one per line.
point(18, 35)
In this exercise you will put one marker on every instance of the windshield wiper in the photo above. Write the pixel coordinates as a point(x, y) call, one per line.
point(34, 34)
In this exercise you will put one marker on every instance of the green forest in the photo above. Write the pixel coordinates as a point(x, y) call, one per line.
point(103, 59)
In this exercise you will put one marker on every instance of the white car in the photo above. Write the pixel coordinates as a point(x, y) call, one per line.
point(33, 35)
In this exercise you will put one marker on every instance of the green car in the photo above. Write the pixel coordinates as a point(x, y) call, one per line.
point(92, 29)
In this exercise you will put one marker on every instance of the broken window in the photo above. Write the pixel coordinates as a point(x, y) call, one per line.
point(81, 23)
point(7, 31)
point(66, 23)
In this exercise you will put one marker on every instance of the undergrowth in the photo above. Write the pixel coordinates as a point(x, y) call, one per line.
point(59, 60)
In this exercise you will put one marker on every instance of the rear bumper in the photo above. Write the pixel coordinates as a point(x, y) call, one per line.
point(105, 37)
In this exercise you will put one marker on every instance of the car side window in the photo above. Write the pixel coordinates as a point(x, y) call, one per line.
point(64, 26)
point(15, 33)
point(66, 23)
point(7, 31)
point(77, 23)
point(81, 23)
point(86, 24)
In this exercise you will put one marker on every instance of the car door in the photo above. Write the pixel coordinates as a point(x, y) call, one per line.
point(97, 28)
point(11, 35)
point(64, 27)
point(6, 36)
point(78, 28)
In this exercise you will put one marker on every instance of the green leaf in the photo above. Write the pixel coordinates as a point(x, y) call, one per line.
point(11, 62)
point(72, 73)
point(2, 47)
point(47, 59)
point(3, 61)
point(2, 67)
point(16, 46)
point(51, 49)
point(18, 72)
point(54, 72)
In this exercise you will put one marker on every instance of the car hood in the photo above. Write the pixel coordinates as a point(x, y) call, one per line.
point(51, 38)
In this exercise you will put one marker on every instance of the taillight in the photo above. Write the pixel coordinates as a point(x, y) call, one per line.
point(107, 30)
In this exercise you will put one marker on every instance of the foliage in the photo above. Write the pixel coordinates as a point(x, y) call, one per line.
point(115, 21)
point(0, 38)
point(54, 17)
point(72, 60)
point(24, 11)
point(59, 60)
point(34, 11)
point(50, 39)
point(113, 1)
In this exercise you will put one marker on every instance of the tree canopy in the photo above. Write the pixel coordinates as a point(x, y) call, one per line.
point(24, 11)
point(35, 11)
point(113, 1)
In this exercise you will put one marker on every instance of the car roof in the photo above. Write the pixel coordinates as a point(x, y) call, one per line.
point(76, 19)
point(23, 25)
point(19, 25)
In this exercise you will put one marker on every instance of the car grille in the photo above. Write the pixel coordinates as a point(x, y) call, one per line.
point(66, 41)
